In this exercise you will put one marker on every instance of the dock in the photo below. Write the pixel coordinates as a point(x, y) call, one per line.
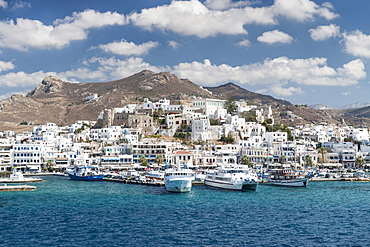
point(17, 187)
point(133, 181)
point(143, 182)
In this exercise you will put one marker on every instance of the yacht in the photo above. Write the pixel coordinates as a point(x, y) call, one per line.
point(232, 178)
point(178, 179)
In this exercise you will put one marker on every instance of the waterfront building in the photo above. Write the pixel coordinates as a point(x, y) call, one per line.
point(6, 149)
point(27, 156)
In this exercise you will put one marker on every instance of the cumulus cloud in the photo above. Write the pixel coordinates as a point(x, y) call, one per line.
point(6, 66)
point(128, 48)
point(116, 68)
point(276, 75)
point(282, 70)
point(173, 44)
point(224, 16)
point(22, 79)
point(303, 10)
point(284, 92)
point(324, 32)
point(225, 4)
point(23, 34)
point(275, 36)
point(357, 44)
point(243, 43)
point(3, 4)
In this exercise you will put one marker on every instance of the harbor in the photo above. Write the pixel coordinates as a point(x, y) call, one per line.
point(136, 214)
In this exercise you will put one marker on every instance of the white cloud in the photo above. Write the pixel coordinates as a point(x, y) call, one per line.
point(324, 32)
point(3, 4)
point(243, 43)
point(282, 70)
point(23, 34)
point(280, 91)
point(276, 75)
point(357, 44)
point(225, 4)
point(275, 36)
point(6, 66)
point(346, 93)
point(21, 5)
point(224, 16)
point(116, 68)
point(128, 48)
point(22, 79)
point(303, 10)
point(173, 44)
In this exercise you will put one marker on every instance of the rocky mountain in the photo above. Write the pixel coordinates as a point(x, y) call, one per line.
point(60, 102)
point(57, 101)
point(230, 90)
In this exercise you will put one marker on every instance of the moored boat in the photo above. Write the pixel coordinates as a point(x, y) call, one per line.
point(24, 187)
point(85, 173)
point(17, 177)
point(178, 180)
point(155, 175)
point(232, 178)
point(288, 177)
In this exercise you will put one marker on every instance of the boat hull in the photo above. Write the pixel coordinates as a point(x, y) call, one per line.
point(86, 178)
point(232, 186)
point(17, 188)
point(178, 185)
point(302, 182)
point(23, 180)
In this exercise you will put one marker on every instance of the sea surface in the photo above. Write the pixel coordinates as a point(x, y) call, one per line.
point(63, 212)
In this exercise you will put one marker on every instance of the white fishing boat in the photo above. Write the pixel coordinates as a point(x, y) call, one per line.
point(288, 177)
point(232, 178)
point(24, 187)
point(17, 177)
point(178, 179)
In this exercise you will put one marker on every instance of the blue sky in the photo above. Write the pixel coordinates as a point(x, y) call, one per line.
point(304, 51)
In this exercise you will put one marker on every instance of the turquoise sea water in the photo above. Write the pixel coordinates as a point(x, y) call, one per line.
point(62, 212)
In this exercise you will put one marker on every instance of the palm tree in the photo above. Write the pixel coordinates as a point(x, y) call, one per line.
point(360, 161)
point(159, 159)
point(308, 161)
point(245, 161)
point(143, 160)
point(322, 151)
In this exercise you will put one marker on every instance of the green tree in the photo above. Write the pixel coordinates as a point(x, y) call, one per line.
point(144, 160)
point(322, 151)
point(213, 121)
point(308, 161)
point(249, 116)
point(360, 161)
point(230, 106)
point(244, 160)
point(159, 159)
point(227, 139)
